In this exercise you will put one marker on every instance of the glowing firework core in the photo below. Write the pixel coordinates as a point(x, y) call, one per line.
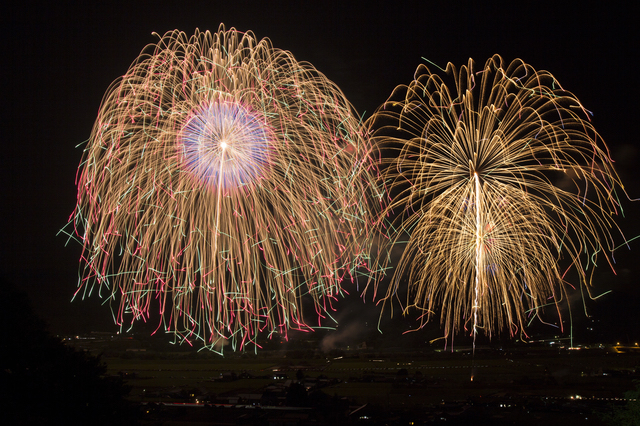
point(225, 144)
point(222, 185)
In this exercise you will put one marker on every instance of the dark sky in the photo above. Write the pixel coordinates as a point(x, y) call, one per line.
point(59, 58)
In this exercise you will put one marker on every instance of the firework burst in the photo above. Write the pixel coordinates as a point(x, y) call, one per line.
point(497, 179)
point(223, 181)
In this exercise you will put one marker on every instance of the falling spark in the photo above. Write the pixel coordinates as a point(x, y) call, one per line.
point(498, 178)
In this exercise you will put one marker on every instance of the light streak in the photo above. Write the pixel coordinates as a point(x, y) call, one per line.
point(502, 185)
point(224, 182)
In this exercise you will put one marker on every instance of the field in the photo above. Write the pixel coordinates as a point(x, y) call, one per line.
point(387, 381)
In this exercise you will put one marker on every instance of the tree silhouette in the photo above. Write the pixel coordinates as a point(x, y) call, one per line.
point(46, 382)
point(628, 414)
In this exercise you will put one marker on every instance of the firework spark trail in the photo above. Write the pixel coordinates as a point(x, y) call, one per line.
point(223, 181)
point(495, 177)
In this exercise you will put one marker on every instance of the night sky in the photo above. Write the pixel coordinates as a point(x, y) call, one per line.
point(60, 57)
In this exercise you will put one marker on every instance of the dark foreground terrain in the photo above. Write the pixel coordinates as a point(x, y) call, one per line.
point(526, 385)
